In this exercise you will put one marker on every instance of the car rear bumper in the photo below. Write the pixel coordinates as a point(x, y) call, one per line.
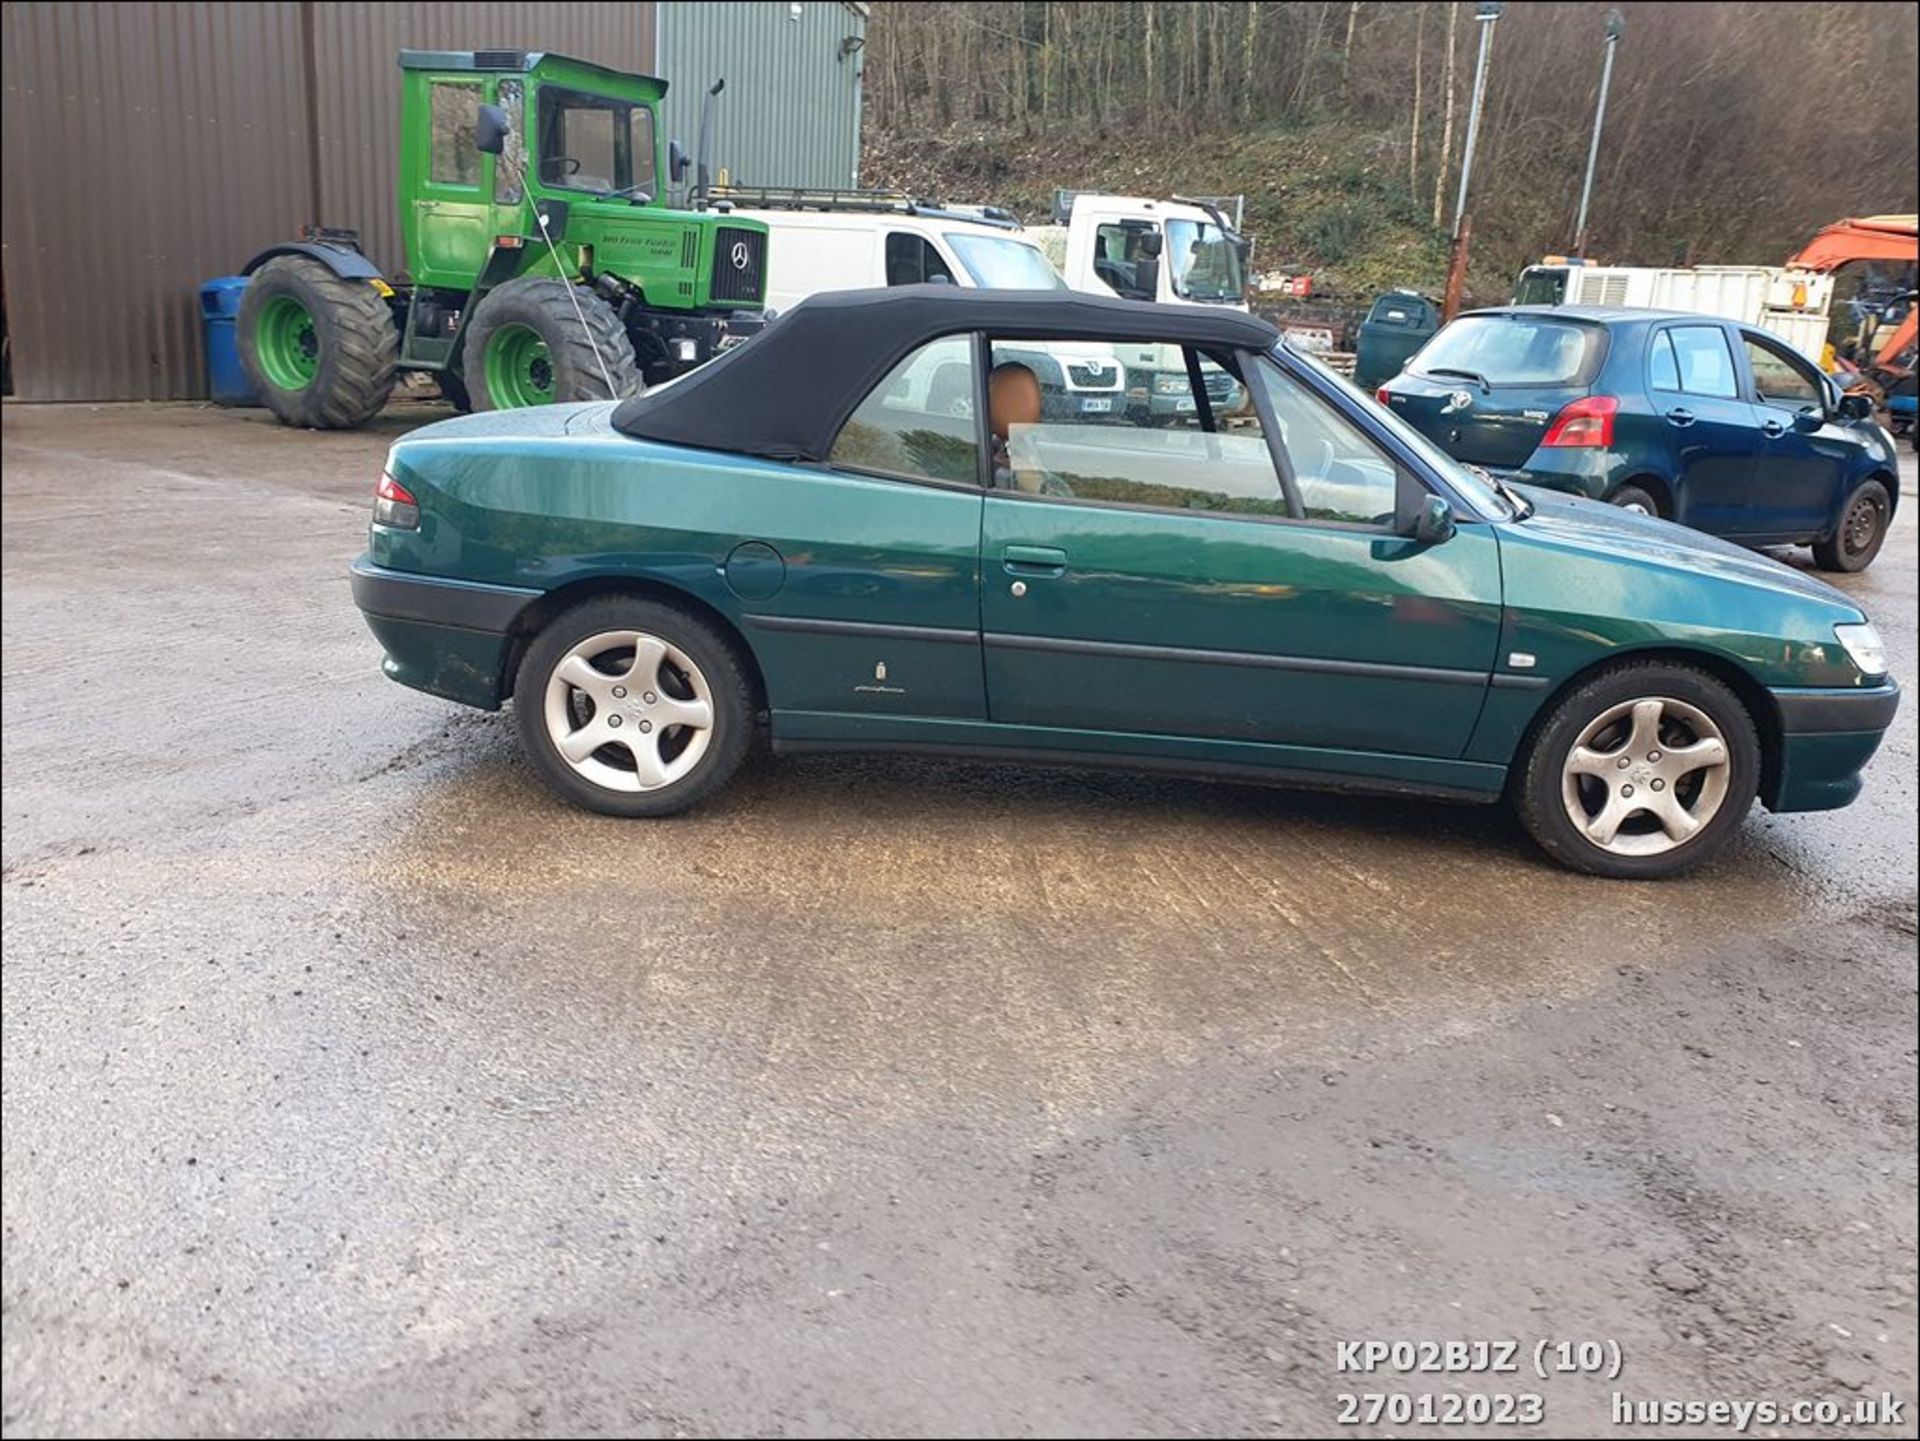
point(450, 638)
point(1827, 738)
point(1577, 471)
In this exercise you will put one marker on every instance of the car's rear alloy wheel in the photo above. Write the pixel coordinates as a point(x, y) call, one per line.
point(629, 711)
point(633, 707)
point(1644, 771)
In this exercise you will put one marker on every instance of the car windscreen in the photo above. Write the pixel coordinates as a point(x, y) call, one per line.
point(1506, 349)
point(1468, 482)
point(996, 263)
point(1206, 262)
point(1541, 285)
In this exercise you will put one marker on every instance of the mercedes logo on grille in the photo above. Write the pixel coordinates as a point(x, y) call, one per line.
point(740, 255)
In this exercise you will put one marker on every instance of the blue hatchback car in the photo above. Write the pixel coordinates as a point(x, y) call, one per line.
point(1717, 425)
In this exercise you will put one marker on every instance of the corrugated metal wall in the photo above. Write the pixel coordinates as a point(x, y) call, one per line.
point(149, 146)
point(790, 114)
point(144, 146)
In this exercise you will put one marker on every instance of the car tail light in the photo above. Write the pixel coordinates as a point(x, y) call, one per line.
point(394, 505)
point(1586, 422)
point(1381, 394)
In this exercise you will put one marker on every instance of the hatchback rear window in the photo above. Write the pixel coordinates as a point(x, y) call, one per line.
point(1514, 350)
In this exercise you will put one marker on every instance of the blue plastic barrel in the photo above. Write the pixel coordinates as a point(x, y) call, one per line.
point(227, 381)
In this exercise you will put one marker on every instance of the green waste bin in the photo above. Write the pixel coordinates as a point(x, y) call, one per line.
point(1398, 325)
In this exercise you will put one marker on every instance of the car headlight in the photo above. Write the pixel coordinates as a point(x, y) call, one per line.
point(1864, 645)
point(1171, 384)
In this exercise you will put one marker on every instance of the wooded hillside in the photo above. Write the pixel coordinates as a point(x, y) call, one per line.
point(1734, 129)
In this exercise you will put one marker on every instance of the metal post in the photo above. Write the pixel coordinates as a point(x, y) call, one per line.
point(1616, 26)
point(1485, 16)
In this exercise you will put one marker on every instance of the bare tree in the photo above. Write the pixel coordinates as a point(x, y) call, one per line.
point(1413, 140)
point(1446, 128)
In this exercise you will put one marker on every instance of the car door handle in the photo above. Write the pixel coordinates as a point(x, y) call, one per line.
point(1034, 560)
point(1772, 429)
point(1680, 416)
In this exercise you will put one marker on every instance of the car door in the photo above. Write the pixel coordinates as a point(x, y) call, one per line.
point(1156, 581)
point(1803, 454)
point(1710, 430)
point(862, 593)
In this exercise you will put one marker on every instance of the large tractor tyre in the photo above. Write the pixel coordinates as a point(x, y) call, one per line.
point(323, 351)
point(525, 346)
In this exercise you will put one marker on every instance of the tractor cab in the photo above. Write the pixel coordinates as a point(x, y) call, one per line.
point(542, 261)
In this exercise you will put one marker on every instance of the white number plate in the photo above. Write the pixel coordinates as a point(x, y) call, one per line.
point(1104, 403)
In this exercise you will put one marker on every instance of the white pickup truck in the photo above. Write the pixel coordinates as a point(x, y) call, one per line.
point(1173, 252)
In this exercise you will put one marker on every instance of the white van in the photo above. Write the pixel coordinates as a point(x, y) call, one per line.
point(858, 240)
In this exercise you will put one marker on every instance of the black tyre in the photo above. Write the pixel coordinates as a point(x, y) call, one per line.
point(1638, 499)
point(526, 346)
point(1642, 772)
point(322, 350)
point(633, 707)
point(1863, 528)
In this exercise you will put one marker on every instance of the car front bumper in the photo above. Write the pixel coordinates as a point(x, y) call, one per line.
point(1826, 739)
point(450, 638)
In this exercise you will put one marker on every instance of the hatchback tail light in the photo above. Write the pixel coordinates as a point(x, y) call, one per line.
point(1586, 422)
point(394, 505)
point(1381, 395)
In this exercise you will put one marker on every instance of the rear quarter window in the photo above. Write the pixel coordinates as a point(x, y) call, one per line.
point(1517, 350)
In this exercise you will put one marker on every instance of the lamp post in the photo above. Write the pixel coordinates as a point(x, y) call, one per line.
point(1616, 27)
point(1485, 16)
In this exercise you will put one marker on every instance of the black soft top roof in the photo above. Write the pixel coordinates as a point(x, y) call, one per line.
point(785, 393)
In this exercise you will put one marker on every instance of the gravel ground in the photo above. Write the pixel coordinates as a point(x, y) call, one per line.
point(354, 1085)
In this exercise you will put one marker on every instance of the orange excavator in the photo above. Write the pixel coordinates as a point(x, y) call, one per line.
point(1890, 239)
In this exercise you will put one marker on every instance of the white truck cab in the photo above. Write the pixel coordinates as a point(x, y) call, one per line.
point(820, 240)
point(1172, 252)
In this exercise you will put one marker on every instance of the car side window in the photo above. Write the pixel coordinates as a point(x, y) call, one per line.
point(1703, 360)
point(918, 421)
point(1780, 381)
point(1065, 422)
point(1663, 371)
point(912, 260)
point(452, 157)
point(1343, 476)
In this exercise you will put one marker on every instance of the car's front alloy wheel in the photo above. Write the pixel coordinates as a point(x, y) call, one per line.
point(1644, 771)
point(1645, 776)
point(632, 707)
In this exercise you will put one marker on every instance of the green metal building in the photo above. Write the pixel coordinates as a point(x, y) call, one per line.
point(790, 114)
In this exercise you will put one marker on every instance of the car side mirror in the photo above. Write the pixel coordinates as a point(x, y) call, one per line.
point(678, 161)
point(490, 130)
point(1432, 521)
point(1855, 407)
point(1809, 419)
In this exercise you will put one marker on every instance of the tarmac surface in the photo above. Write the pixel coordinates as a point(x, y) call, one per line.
point(353, 1084)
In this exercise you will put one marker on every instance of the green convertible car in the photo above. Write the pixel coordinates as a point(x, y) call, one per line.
point(1303, 590)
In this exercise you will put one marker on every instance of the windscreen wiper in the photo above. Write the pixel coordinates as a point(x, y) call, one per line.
point(1475, 376)
point(1522, 507)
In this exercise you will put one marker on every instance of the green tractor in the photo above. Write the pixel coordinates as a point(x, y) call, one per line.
point(540, 265)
